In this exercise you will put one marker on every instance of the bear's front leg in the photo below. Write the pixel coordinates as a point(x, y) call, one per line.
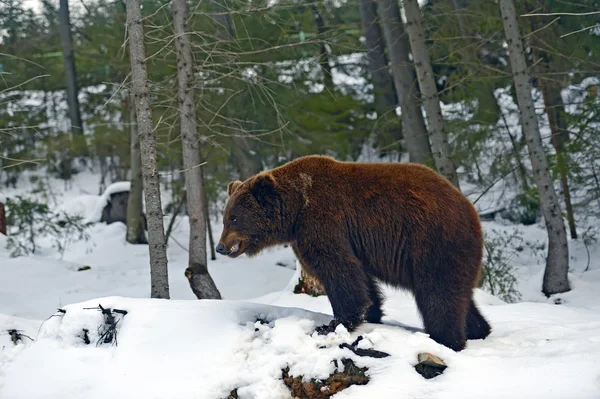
point(346, 285)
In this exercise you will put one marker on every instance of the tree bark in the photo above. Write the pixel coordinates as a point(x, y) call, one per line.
point(159, 276)
point(557, 262)
point(554, 107)
point(197, 273)
point(431, 100)
point(135, 220)
point(324, 54)
point(385, 94)
point(415, 132)
point(3, 229)
point(70, 71)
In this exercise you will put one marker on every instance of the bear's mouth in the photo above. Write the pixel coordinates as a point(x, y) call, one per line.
point(236, 249)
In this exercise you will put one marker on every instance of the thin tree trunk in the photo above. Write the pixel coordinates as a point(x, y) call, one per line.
point(244, 163)
point(415, 132)
point(159, 276)
point(557, 263)
point(242, 160)
point(135, 220)
point(197, 273)
point(70, 71)
point(324, 54)
point(3, 229)
point(211, 239)
point(385, 94)
point(554, 107)
point(431, 100)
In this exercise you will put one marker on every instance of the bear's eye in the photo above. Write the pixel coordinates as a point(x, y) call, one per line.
point(233, 219)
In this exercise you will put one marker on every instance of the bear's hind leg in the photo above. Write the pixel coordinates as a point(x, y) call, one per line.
point(477, 326)
point(374, 313)
point(444, 316)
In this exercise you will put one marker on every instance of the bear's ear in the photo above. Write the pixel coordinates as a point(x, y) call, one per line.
point(264, 189)
point(231, 187)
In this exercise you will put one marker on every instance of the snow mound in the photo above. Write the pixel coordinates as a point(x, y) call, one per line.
point(173, 349)
point(205, 349)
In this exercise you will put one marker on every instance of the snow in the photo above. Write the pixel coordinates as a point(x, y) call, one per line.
point(185, 348)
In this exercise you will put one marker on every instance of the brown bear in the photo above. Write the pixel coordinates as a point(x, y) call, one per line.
point(353, 225)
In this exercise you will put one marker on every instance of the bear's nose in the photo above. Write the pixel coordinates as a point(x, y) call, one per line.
point(221, 249)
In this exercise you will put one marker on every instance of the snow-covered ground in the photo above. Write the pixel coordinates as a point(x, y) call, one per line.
point(184, 348)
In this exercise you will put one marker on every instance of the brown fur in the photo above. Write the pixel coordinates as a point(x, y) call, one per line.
point(353, 224)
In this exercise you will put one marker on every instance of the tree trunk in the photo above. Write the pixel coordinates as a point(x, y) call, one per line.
point(197, 273)
point(159, 276)
point(3, 229)
point(555, 109)
point(135, 220)
point(385, 94)
point(431, 100)
point(243, 161)
point(557, 262)
point(70, 71)
point(324, 54)
point(211, 239)
point(415, 132)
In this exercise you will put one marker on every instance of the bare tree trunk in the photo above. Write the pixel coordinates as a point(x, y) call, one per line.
point(197, 272)
point(70, 72)
point(382, 81)
point(324, 55)
point(3, 229)
point(135, 220)
point(553, 102)
point(554, 107)
point(159, 276)
point(243, 161)
point(557, 263)
point(415, 132)
point(211, 239)
point(431, 100)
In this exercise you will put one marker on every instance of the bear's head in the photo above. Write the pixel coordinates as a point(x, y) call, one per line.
point(252, 218)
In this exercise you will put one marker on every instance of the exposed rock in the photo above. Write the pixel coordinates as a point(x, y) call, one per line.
point(116, 209)
point(429, 365)
point(232, 395)
point(317, 389)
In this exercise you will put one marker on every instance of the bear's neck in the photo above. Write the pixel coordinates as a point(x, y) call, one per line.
point(295, 187)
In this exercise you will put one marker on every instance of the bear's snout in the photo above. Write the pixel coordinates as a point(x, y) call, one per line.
point(221, 249)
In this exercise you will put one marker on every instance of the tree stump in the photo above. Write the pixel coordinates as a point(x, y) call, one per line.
point(308, 284)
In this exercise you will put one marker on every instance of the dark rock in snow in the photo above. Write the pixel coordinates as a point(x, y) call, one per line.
point(116, 209)
point(429, 365)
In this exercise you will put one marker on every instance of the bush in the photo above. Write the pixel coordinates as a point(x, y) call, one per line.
point(498, 272)
point(29, 220)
